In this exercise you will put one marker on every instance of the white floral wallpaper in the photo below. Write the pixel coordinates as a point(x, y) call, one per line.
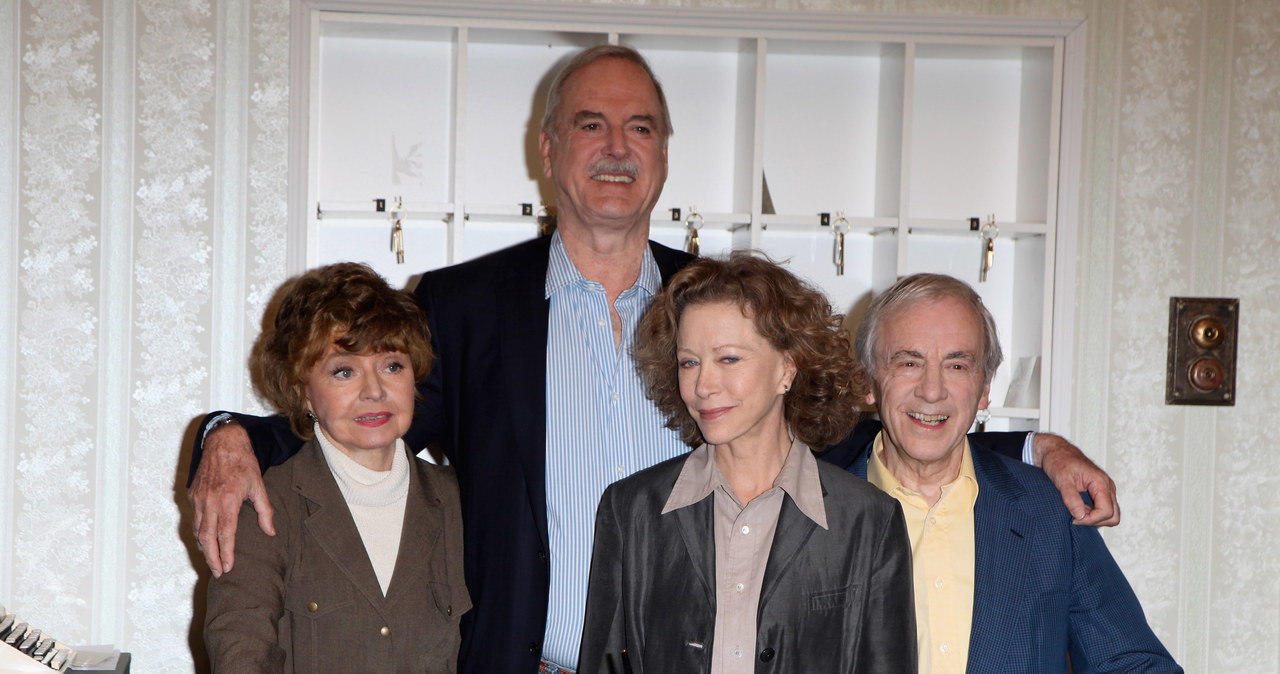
point(142, 228)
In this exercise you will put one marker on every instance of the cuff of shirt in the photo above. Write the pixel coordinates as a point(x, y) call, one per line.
point(1028, 449)
point(226, 418)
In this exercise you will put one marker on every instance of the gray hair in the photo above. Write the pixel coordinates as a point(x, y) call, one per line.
point(906, 293)
point(585, 58)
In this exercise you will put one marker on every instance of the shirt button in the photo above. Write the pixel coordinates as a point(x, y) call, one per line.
point(745, 530)
point(614, 395)
point(385, 631)
point(737, 652)
point(313, 607)
point(621, 470)
point(938, 583)
point(739, 587)
point(933, 521)
point(944, 649)
point(600, 322)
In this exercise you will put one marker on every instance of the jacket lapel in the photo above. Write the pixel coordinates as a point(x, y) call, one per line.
point(423, 528)
point(329, 523)
point(793, 530)
point(669, 260)
point(694, 522)
point(523, 310)
point(1003, 531)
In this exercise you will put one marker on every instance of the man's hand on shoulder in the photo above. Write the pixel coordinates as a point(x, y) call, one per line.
point(1072, 472)
point(227, 477)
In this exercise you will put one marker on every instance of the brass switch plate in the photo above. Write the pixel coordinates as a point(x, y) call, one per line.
point(1202, 351)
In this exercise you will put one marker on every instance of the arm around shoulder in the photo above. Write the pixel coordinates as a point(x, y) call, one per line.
point(227, 477)
point(1072, 472)
point(270, 438)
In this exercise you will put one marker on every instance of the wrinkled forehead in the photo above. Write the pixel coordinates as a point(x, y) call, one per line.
point(939, 320)
point(614, 80)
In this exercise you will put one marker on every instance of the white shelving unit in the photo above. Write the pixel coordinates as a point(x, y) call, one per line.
point(906, 127)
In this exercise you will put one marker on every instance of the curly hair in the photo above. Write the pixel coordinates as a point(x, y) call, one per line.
point(347, 305)
point(791, 315)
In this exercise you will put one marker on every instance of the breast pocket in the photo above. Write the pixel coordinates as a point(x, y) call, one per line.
point(833, 600)
point(321, 613)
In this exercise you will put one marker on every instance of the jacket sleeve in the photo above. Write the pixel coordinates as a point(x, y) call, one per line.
point(429, 413)
point(1109, 632)
point(1007, 443)
point(889, 628)
point(603, 635)
point(246, 604)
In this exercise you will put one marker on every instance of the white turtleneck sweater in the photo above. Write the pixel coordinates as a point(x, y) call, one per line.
point(376, 500)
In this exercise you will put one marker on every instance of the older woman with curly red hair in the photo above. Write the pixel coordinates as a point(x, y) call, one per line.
point(747, 554)
point(365, 570)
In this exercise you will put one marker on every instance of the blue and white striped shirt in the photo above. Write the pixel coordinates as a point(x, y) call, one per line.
point(600, 428)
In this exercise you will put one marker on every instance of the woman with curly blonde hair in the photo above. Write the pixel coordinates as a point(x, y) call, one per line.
point(747, 549)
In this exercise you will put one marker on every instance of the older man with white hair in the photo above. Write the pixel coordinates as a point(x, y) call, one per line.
point(1003, 581)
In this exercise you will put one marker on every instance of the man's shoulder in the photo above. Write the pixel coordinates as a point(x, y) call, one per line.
point(1033, 489)
point(669, 260)
point(485, 266)
point(844, 487)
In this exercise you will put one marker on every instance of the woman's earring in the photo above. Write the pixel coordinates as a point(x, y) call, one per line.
point(984, 415)
point(311, 415)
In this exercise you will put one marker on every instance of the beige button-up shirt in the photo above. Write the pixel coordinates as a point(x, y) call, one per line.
point(743, 538)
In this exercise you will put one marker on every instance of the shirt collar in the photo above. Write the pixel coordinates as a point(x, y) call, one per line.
point(700, 476)
point(878, 474)
point(561, 271)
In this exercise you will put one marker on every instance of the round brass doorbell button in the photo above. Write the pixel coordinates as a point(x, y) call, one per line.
point(1208, 332)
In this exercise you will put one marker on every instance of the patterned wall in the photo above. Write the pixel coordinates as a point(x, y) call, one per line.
point(142, 192)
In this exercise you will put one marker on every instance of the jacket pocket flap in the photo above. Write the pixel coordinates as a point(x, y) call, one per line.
point(315, 599)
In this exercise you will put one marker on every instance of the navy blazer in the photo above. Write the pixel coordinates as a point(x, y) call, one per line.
point(1044, 587)
point(833, 600)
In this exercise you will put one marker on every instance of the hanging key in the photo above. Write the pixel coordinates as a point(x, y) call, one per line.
point(693, 222)
point(840, 227)
point(397, 231)
point(989, 234)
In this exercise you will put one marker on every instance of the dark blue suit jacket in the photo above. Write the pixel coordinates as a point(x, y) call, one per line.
point(1044, 587)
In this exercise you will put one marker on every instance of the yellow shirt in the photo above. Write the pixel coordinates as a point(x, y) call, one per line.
point(942, 555)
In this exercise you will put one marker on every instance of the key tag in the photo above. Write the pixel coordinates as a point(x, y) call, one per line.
point(693, 222)
point(840, 226)
point(989, 233)
point(398, 215)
